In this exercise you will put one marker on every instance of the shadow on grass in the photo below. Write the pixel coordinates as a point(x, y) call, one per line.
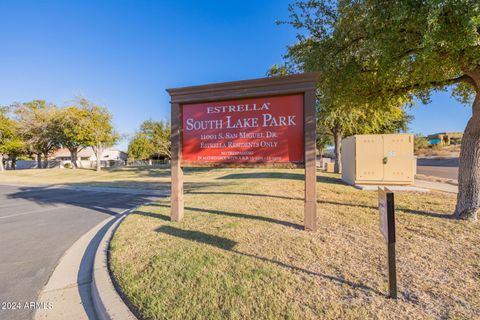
point(161, 186)
point(280, 175)
point(198, 236)
point(226, 193)
point(188, 170)
point(228, 244)
point(354, 205)
point(143, 171)
point(239, 215)
point(152, 215)
point(404, 210)
point(124, 184)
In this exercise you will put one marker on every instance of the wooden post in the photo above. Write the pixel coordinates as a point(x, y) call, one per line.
point(392, 271)
point(386, 205)
point(392, 267)
point(176, 196)
point(310, 215)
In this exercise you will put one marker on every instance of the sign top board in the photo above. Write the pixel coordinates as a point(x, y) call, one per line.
point(387, 214)
point(254, 130)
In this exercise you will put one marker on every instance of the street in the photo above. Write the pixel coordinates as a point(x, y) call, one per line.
point(37, 225)
point(439, 167)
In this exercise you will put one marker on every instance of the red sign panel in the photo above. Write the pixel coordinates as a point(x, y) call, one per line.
point(253, 130)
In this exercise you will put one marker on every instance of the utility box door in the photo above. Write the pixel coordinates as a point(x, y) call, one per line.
point(369, 154)
point(398, 155)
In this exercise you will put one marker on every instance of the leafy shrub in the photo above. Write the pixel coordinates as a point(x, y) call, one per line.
point(420, 143)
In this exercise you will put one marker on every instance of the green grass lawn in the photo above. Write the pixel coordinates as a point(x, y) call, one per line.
point(122, 177)
point(241, 253)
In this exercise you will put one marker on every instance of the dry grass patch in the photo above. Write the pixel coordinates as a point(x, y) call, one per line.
point(240, 253)
point(440, 151)
point(122, 177)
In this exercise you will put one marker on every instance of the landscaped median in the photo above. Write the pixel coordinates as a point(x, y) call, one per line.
point(241, 253)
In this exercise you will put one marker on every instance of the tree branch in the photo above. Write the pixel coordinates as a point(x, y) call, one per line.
point(437, 84)
point(442, 83)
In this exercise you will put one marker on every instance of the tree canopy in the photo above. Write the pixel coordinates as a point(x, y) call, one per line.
point(39, 127)
point(379, 54)
point(7, 133)
point(99, 131)
point(389, 51)
point(74, 133)
point(151, 141)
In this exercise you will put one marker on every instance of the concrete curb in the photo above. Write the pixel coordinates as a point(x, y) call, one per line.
point(68, 288)
point(107, 302)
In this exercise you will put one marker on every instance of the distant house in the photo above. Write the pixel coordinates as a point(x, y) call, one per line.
point(445, 138)
point(87, 154)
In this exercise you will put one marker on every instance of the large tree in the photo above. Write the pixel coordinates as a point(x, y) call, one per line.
point(14, 148)
point(140, 147)
point(7, 131)
point(39, 128)
point(74, 130)
point(152, 140)
point(11, 142)
point(99, 128)
point(384, 51)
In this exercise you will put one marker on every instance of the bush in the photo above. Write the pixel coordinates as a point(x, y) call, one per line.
point(420, 143)
point(67, 165)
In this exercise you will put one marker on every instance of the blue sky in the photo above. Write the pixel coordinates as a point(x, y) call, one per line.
point(124, 54)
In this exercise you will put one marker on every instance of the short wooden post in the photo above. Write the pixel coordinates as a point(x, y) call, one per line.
point(392, 271)
point(386, 205)
point(310, 215)
point(176, 196)
point(392, 267)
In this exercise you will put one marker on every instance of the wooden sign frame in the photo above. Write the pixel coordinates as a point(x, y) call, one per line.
point(304, 84)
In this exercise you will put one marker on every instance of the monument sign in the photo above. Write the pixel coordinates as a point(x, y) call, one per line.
point(267, 122)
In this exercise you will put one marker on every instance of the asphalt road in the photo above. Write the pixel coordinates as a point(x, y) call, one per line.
point(439, 167)
point(37, 225)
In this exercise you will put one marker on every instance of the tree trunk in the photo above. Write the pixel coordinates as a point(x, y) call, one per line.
point(337, 137)
point(468, 198)
point(98, 150)
point(14, 163)
point(1, 163)
point(39, 161)
point(45, 160)
point(74, 156)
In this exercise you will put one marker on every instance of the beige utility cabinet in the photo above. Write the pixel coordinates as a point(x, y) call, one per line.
point(378, 159)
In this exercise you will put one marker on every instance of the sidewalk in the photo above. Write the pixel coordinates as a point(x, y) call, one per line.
point(80, 287)
point(445, 187)
point(69, 288)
